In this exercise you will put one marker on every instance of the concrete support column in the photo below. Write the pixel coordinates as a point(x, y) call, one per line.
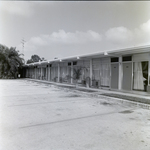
point(67, 70)
point(32, 73)
point(148, 85)
point(29, 72)
point(46, 73)
point(58, 72)
point(91, 71)
point(71, 72)
point(41, 73)
point(120, 73)
point(35, 72)
point(49, 73)
point(26, 72)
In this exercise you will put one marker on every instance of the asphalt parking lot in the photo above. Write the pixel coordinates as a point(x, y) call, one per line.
point(38, 116)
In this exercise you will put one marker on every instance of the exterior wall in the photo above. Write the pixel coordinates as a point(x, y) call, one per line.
point(99, 70)
point(141, 57)
point(96, 69)
point(85, 69)
point(38, 72)
point(54, 72)
point(63, 71)
point(105, 72)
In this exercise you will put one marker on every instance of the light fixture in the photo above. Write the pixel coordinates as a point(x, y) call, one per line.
point(60, 60)
point(78, 57)
point(105, 53)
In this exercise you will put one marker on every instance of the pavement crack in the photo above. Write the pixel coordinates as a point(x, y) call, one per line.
point(47, 102)
point(67, 120)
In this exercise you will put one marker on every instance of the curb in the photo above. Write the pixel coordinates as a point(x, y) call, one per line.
point(129, 101)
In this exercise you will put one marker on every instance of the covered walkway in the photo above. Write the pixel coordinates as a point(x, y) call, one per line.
point(141, 99)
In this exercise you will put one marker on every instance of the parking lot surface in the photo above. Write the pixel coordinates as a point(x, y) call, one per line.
point(38, 116)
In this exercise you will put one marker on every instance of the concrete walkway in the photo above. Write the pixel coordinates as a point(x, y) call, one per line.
point(39, 116)
point(138, 98)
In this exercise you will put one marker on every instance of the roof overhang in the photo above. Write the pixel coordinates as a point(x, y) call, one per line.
point(110, 53)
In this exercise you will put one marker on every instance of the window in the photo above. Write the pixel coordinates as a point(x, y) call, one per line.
point(127, 58)
point(74, 63)
point(115, 59)
point(69, 63)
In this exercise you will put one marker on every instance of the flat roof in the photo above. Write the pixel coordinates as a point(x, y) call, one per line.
point(109, 53)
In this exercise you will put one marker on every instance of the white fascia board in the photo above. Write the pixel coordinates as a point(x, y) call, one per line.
point(132, 50)
point(125, 51)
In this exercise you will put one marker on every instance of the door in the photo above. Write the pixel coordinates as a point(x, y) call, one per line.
point(114, 75)
point(127, 76)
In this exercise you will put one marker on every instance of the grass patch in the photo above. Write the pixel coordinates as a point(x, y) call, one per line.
point(126, 112)
point(85, 90)
point(74, 95)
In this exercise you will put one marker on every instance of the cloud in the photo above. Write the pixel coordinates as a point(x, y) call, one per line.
point(65, 43)
point(57, 41)
point(122, 35)
point(17, 8)
point(38, 41)
point(62, 37)
point(119, 34)
point(71, 38)
point(145, 27)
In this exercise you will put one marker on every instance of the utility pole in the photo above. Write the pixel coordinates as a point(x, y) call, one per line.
point(23, 42)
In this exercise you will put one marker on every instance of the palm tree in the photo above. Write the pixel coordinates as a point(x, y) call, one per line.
point(77, 72)
point(10, 62)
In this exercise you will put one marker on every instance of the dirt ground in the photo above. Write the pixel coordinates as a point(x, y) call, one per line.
point(36, 116)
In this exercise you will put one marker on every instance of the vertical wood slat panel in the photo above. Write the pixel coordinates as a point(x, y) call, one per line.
point(86, 63)
point(96, 63)
point(141, 57)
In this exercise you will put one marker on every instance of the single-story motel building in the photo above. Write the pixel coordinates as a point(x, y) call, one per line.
point(124, 69)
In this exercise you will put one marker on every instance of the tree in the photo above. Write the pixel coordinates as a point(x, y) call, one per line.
point(35, 58)
point(29, 61)
point(77, 72)
point(10, 62)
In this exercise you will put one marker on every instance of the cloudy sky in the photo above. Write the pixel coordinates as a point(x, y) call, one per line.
point(60, 29)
